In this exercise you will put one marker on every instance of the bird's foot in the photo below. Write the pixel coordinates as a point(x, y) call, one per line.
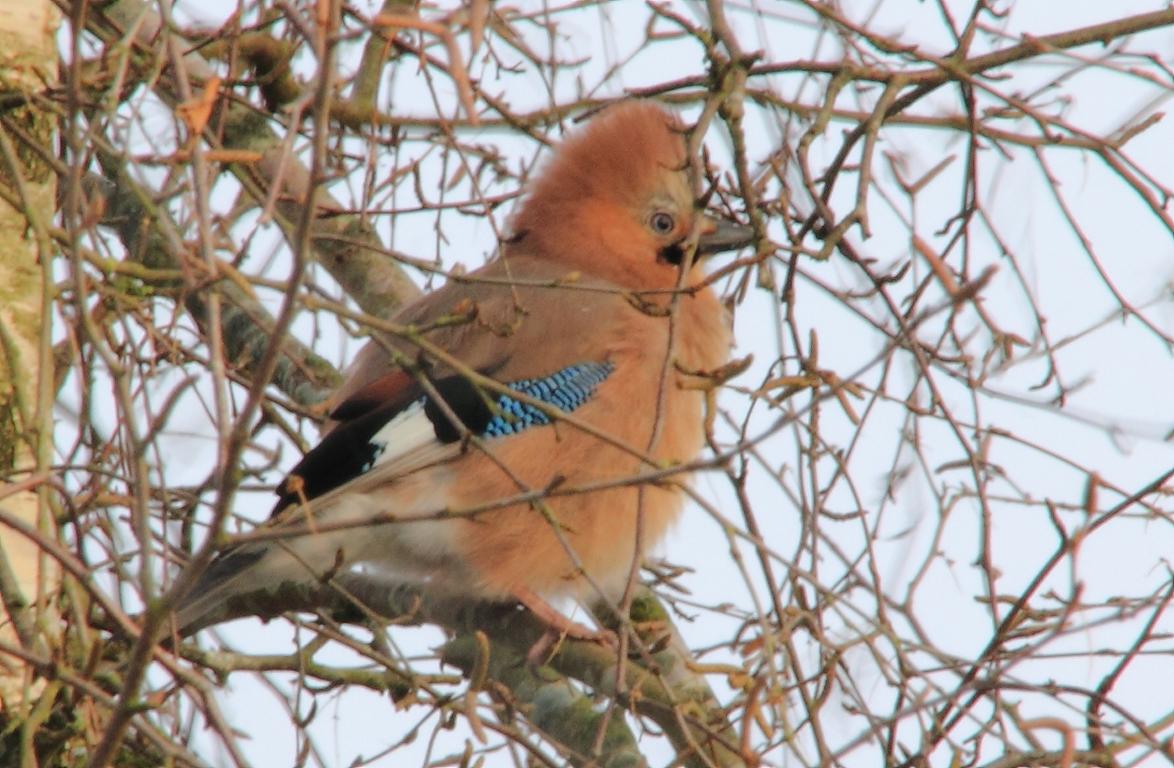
point(558, 628)
point(543, 650)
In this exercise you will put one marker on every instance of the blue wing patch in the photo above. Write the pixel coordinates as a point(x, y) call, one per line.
point(566, 390)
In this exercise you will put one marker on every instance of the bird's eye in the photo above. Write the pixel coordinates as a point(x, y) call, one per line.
point(662, 223)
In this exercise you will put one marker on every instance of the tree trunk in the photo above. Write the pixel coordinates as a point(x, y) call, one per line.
point(28, 579)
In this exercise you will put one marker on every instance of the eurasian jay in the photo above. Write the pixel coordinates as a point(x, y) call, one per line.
point(591, 329)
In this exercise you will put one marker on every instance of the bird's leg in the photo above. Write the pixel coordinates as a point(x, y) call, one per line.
point(558, 626)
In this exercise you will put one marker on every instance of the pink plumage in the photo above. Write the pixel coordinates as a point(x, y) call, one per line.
point(580, 315)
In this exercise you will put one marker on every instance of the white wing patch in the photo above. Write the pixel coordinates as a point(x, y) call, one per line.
point(409, 432)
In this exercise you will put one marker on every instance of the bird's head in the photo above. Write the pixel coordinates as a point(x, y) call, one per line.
point(616, 201)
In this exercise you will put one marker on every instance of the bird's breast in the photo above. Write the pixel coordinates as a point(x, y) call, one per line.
point(660, 380)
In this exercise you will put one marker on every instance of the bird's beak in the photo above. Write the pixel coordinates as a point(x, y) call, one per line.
point(717, 236)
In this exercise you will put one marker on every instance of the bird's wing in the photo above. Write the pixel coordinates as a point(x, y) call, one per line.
point(512, 322)
point(394, 421)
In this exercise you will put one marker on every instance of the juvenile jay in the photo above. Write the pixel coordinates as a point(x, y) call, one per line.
point(589, 326)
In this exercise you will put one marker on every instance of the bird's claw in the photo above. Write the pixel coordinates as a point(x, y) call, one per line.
point(558, 627)
point(542, 650)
